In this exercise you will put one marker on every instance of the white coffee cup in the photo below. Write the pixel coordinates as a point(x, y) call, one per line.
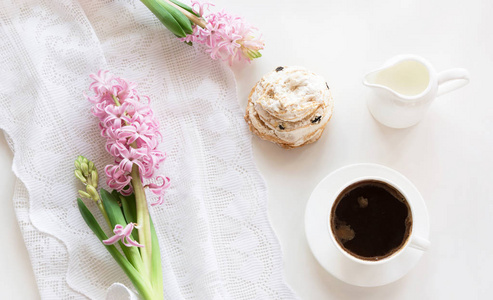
point(412, 241)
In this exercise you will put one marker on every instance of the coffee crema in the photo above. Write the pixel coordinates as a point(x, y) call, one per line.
point(371, 220)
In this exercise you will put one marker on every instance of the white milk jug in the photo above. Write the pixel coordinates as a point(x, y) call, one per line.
point(405, 86)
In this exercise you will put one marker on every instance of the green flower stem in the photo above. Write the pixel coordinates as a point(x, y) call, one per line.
point(99, 202)
point(157, 272)
point(196, 20)
point(176, 16)
point(142, 220)
point(103, 211)
point(117, 103)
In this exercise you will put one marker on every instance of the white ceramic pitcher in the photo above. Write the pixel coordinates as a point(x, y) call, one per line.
point(405, 86)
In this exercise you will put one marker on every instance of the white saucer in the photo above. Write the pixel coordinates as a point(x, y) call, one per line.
point(330, 257)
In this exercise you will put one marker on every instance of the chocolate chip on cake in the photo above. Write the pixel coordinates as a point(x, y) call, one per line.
point(279, 69)
point(316, 119)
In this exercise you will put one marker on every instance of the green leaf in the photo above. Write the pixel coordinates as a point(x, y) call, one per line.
point(130, 212)
point(156, 272)
point(129, 208)
point(184, 22)
point(185, 7)
point(115, 214)
point(138, 281)
point(162, 13)
point(90, 220)
point(112, 208)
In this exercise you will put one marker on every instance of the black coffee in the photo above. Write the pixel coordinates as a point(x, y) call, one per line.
point(371, 220)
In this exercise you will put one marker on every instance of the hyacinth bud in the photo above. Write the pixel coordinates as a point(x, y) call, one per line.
point(78, 174)
point(94, 178)
point(88, 175)
point(84, 194)
point(92, 192)
point(85, 169)
point(81, 159)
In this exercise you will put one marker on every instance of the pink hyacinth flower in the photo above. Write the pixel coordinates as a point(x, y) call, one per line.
point(123, 235)
point(159, 189)
point(226, 36)
point(131, 131)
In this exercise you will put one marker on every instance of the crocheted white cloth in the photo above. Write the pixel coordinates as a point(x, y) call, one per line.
point(215, 236)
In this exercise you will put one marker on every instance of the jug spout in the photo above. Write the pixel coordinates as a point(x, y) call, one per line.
point(373, 80)
point(370, 78)
point(408, 78)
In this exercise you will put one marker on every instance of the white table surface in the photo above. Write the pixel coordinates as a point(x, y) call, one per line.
point(448, 156)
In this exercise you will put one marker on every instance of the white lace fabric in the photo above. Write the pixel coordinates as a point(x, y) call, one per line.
point(215, 237)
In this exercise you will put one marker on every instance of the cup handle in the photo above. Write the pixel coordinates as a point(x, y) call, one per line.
point(419, 243)
point(458, 78)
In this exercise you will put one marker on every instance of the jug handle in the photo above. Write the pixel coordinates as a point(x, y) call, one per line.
point(456, 78)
